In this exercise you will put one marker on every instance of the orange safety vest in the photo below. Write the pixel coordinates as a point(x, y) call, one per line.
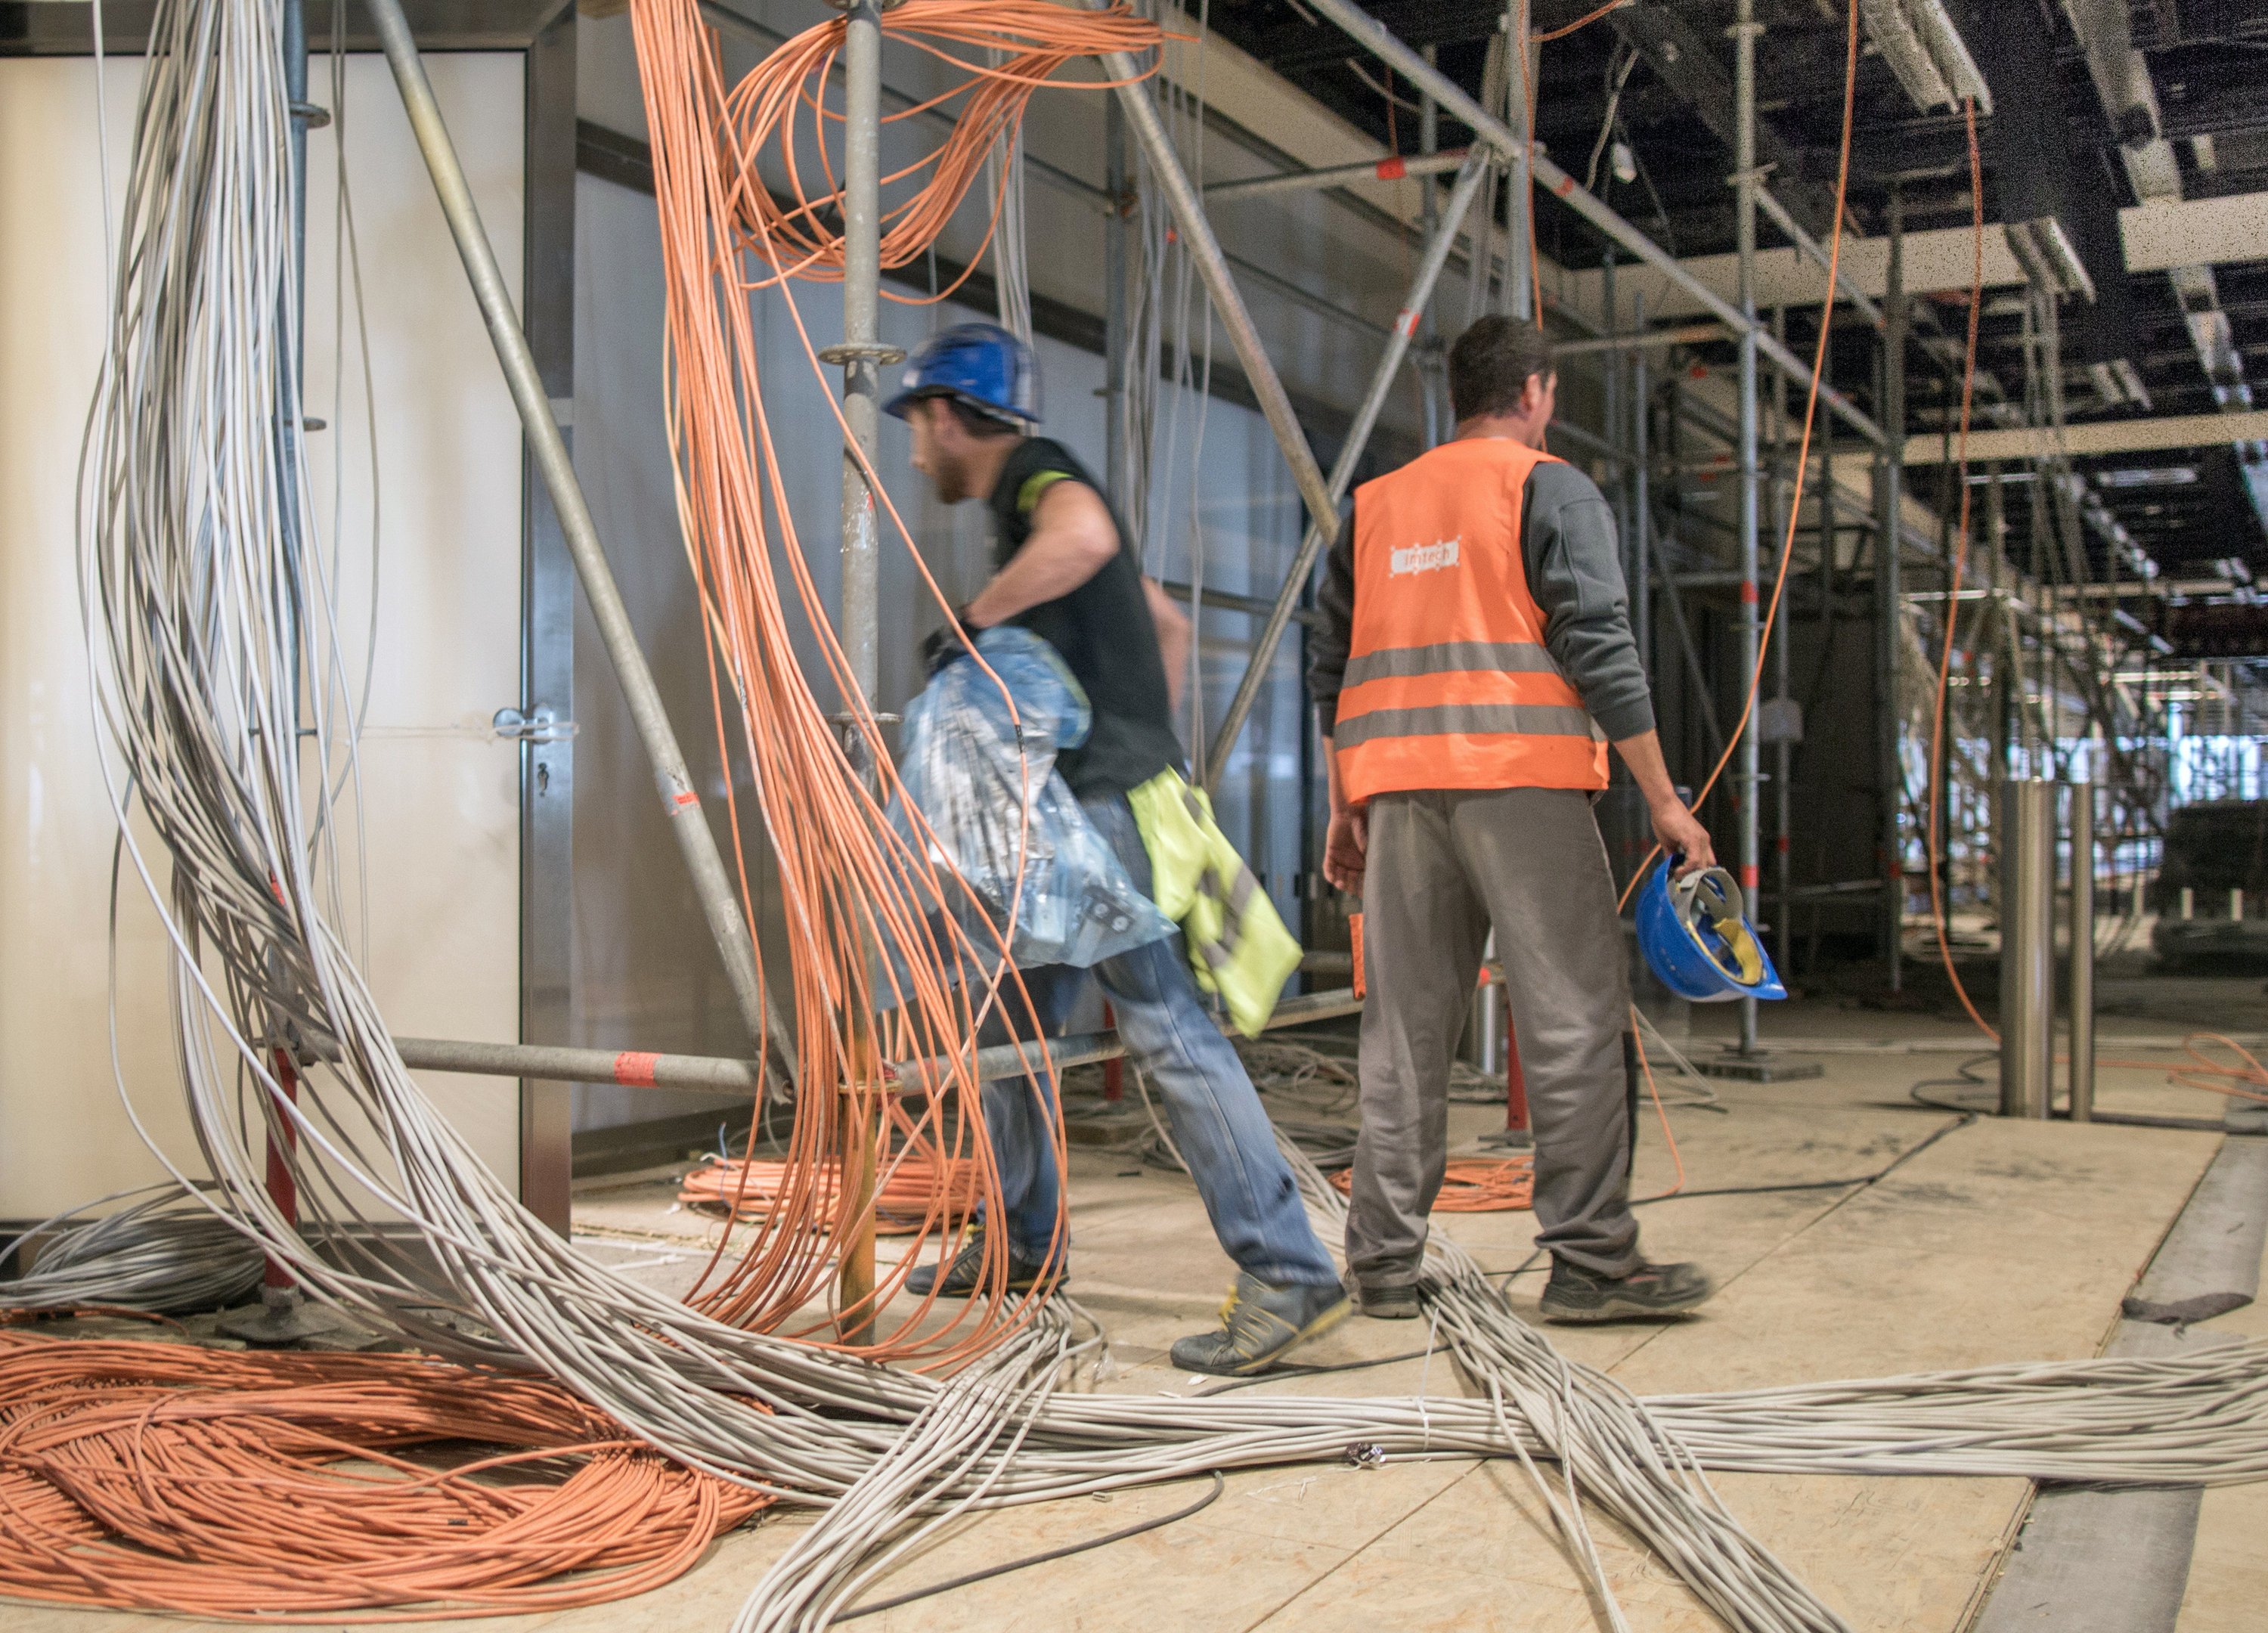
point(1448, 684)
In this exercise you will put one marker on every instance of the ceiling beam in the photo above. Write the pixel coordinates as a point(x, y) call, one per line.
point(2156, 237)
point(2095, 438)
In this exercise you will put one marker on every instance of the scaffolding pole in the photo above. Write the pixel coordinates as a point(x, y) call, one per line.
point(1889, 476)
point(1470, 177)
point(861, 357)
point(547, 449)
point(1490, 131)
point(1747, 776)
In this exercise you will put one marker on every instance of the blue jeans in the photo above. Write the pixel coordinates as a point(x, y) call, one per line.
point(1211, 1105)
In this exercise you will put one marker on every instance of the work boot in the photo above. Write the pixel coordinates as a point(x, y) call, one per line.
point(1260, 1324)
point(1388, 1304)
point(964, 1278)
point(1649, 1291)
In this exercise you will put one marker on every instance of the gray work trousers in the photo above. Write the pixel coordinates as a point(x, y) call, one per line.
point(1442, 867)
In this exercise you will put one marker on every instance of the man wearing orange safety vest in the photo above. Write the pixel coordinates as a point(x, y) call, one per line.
point(1475, 659)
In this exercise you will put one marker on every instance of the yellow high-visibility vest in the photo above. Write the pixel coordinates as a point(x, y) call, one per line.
point(1238, 945)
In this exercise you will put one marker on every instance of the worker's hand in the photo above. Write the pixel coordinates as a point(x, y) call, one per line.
point(946, 643)
point(1345, 847)
point(1681, 835)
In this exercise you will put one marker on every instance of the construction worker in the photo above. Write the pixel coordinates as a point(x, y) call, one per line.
point(1064, 571)
point(1474, 657)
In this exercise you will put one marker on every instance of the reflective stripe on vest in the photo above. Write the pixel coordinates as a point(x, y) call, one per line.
point(1447, 682)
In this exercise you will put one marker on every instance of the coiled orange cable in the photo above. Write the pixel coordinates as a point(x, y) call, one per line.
point(351, 1487)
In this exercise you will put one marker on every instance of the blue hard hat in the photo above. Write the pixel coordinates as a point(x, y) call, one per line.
point(1695, 932)
point(980, 363)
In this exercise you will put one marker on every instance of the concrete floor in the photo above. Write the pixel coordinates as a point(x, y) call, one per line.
point(2003, 1241)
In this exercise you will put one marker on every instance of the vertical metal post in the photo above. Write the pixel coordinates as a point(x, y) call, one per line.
point(861, 356)
point(2026, 947)
point(1429, 223)
point(1519, 211)
point(547, 448)
point(1641, 534)
point(1117, 183)
point(2082, 991)
point(1784, 748)
point(1888, 477)
point(1748, 772)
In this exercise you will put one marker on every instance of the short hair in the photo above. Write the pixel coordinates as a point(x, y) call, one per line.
point(1490, 364)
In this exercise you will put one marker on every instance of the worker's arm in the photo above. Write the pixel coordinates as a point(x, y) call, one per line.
point(1346, 843)
point(1575, 573)
point(1173, 625)
point(1072, 539)
point(1678, 830)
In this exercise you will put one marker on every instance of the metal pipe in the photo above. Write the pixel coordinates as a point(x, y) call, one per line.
point(1641, 545)
point(2082, 1016)
point(1392, 168)
point(1812, 249)
point(2026, 947)
point(1204, 249)
point(680, 803)
point(861, 356)
point(1520, 202)
point(1374, 37)
point(1470, 177)
point(1784, 745)
point(1747, 776)
point(1116, 319)
point(1889, 765)
point(1639, 339)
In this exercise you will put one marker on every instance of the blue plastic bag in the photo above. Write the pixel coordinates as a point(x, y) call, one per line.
point(961, 768)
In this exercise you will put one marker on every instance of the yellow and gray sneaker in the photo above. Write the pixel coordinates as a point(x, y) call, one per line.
point(1260, 1325)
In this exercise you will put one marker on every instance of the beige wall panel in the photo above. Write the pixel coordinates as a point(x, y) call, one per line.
point(439, 838)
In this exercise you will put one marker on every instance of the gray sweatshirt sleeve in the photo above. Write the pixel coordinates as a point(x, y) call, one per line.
point(1574, 571)
point(1334, 630)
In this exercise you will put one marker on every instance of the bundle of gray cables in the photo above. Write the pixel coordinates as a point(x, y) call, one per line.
point(206, 606)
point(163, 1253)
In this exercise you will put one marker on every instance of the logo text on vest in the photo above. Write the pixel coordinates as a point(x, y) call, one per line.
point(1424, 558)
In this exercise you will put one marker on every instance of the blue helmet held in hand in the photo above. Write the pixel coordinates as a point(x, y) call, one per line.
point(980, 364)
point(1695, 932)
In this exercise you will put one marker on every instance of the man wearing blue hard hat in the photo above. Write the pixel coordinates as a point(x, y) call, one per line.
point(1474, 661)
point(971, 395)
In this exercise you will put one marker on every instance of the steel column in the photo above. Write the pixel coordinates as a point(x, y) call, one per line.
point(1470, 177)
point(861, 356)
point(1641, 547)
point(1782, 746)
point(2027, 948)
point(1119, 183)
point(1520, 202)
point(1748, 769)
point(1374, 37)
point(2082, 991)
point(680, 801)
point(1888, 534)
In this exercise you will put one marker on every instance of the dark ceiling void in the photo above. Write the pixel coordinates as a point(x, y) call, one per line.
point(1665, 69)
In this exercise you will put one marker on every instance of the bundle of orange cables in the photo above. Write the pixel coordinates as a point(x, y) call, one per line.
point(153, 1476)
point(1474, 1185)
point(868, 907)
point(1035, 41)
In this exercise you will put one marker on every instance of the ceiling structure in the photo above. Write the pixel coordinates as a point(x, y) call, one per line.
point(2101, 107)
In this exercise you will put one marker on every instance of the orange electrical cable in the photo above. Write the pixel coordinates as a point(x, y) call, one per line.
point(1474, 1185)
point(349, 1488)
point(867, 907)
point(1584, 21)
point(912, 1184)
